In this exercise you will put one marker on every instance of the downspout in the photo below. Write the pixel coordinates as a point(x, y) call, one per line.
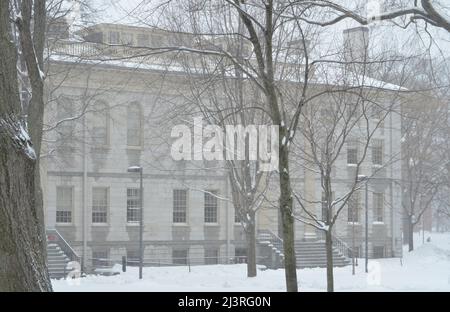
point(391, 189)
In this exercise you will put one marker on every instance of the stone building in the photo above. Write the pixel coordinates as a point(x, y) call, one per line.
point(112, 106)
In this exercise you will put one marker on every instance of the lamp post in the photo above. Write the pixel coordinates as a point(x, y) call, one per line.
point(138, 169)
point(367, 227)
point(363, 178)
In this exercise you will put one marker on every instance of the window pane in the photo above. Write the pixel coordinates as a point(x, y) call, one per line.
point(134, 125)
point(179, 256)
point(133, 257)
point(353, 208)
point(352, 152)
point(236, 216)
point(127, 38)
point(378, 252)
point(66, 128)
point(133, 205)
point(212, 256)
point(114, 37)
point(240, 255)
point(100, 258)
point(99, 205)
point(210, 207)
point(64, 204)
point(179, 206)
point(143, 40)
point(100, 125)
point(377, 152)
point(378, 203)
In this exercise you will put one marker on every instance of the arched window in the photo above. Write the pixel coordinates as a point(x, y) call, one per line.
point(134, 125)
point(100, 124)
point(64, 112)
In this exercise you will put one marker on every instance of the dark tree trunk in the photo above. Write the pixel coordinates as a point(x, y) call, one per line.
point(329, 249)
point(251, 248)
point(410, 235)
point(22, 239)
point(290, 264)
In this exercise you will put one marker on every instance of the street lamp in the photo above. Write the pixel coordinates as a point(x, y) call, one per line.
point(138, 169)
point(363, 178)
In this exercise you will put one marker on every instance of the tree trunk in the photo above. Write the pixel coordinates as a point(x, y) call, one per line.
point(329, 248)
point(410, 235)
point(251, 248)
point(290, 264)
point(22, 243)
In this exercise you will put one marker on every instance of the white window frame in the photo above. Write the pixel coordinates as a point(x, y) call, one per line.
point(210, 215)
point(378, 207)
point(58, 204)
point(136, 207)
point(175, 202)
point(96, 206)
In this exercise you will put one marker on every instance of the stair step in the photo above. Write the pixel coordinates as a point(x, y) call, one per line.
point(309, 254)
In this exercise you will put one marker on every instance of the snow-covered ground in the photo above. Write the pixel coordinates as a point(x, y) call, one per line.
point(425, 269)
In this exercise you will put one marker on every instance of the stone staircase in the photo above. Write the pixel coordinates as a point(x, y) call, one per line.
point(61, 258)
point(313, 254)
point(57, 261)
point(309, 254)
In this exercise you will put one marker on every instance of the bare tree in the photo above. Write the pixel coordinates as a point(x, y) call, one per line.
point(422, 166)
point(431, 12)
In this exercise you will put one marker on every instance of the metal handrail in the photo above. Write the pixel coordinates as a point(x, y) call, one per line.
point(338, 243)
point(64, 245)
point(275, 240)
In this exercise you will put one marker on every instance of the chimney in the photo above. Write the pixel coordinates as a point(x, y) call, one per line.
point(356, 43)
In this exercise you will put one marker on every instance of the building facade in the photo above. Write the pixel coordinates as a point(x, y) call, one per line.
point(109, 109)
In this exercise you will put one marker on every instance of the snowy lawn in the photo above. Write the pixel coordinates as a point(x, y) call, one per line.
point(425, 269)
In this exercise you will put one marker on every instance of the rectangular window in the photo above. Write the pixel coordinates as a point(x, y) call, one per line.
point(64, 204)
point(100, 127)
point(133, 205)
point(377, 152)
point(379, 114)
point(378, 252)
point(179, 206)
point(132, 257)
point(211, 207)
point(353, 208)
point(212, 256)
point(127, 38)
point(134, 125)
point(65, 111)
point(179, 256)
point(378, 205)
point(114, 37)
point(236, 216)
point(100, 205)
point(240, 255)
point(356, 249)
point(352, 111)
point(100, 258)
point(143, 40)
point(352, 152)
